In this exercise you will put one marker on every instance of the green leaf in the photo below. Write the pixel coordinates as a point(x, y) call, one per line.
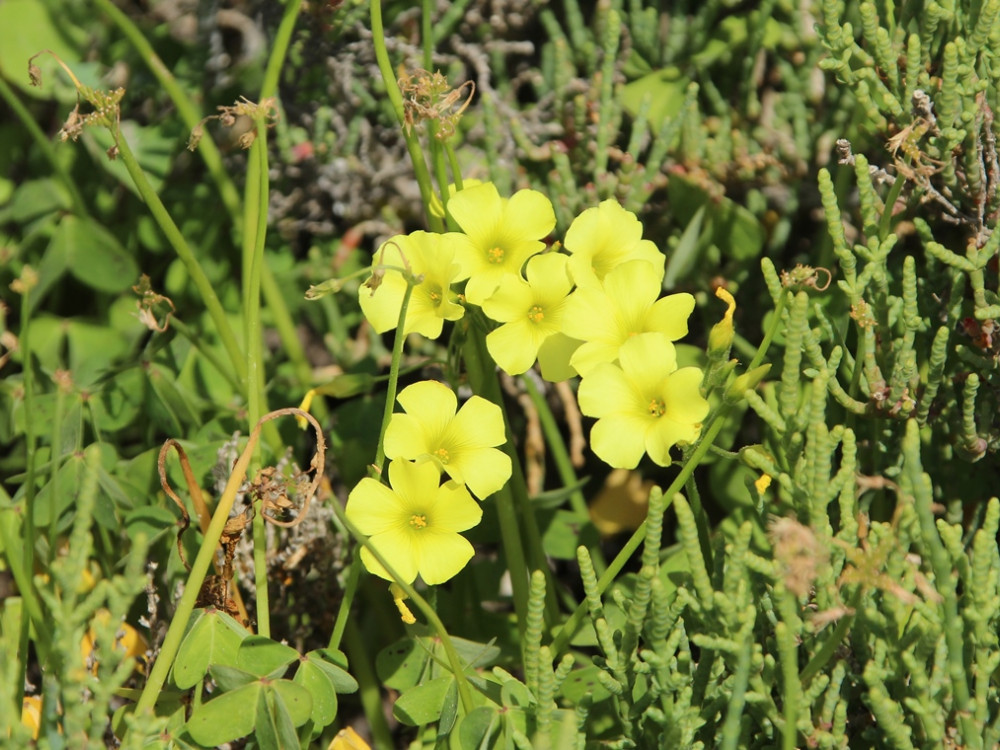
point(225, 718)
point(732, 227)
point(515, 694)
point(449, 710)
point(423, 704)
point(30, 29)
point(152, 148)
point(94, 255)
point(566, 531)
point(274, 729)
point(332, 663)
point(324, 695)
point(296, 699)
point(264, 657)
point(150, 521)
point(230, 678)
point(213, 638)
point(478, 727)
point(684, 256)
point(411, 660)
point(34, 198)
point(583, 681)
point(666, 88)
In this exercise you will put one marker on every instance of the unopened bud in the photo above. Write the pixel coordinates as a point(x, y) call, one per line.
point(720, 338)
point(745, 382)
point(331, 286)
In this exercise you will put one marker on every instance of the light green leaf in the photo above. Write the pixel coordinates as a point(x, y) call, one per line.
point(226, 718)
point(264, 657)
point(321, 688)
point(213, 638)
point(423, 704)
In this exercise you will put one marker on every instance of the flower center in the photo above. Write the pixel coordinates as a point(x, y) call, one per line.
point(442, 455)
point(656, 407)
point(495, 255)
point(435, 296)
point(536, 314)
point(418, 520)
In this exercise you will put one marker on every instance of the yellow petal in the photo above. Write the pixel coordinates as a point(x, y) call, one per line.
point(348, 739)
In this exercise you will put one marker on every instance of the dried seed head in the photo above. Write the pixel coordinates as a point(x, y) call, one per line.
point(800, 553)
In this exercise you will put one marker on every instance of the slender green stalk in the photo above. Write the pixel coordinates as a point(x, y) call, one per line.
point(209, 152)
point(279, 48)
point(825, 652)
point(45, 146)
point(254, 235)
point(420, 171)
point(31, 446)
point(483, 381)
point(569, 629)
point(185, 106)
point(427, 32)
point(701, 448)
point(204, 559)
point(344, 612)
point(196, 342)
point(737, 703)
point(55, 461)
point(369, 687)
point(456, 171)
point(184, 252)
point(390, 392)
point(556, 444)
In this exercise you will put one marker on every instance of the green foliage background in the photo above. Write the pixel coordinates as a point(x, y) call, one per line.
point(857, 138)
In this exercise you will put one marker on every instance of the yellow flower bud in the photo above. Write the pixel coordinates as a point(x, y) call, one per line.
point(746, 381)
point(720, 338)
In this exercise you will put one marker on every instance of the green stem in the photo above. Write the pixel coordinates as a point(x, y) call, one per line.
point(557, 446)
point(209, 152)
point(420, 171)
point(484, 383)
point(45, 146)
point(30, 441)
point(55, 459)
point(254, 235)
point(185, 106)
point(427, 32)
point(832, 643)
point(184, 252)
point(369, 687)
point(196, 342)
point(204, 559)
point(393, 384)
point(279, 49)
point(561, 641)
point(344, 612)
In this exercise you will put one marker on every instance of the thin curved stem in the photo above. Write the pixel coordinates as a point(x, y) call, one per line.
point(420, 170)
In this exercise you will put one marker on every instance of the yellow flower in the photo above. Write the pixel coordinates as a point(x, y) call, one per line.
point(31, 714)
point(462, 444)
point(645, 405)
point(437, 207)
point(348, 739)
point(414, 524)
point(128, 640)
point(431, 258)
point(605, 317)
point(530, 311)
point(501, 234)
point(602, 238)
